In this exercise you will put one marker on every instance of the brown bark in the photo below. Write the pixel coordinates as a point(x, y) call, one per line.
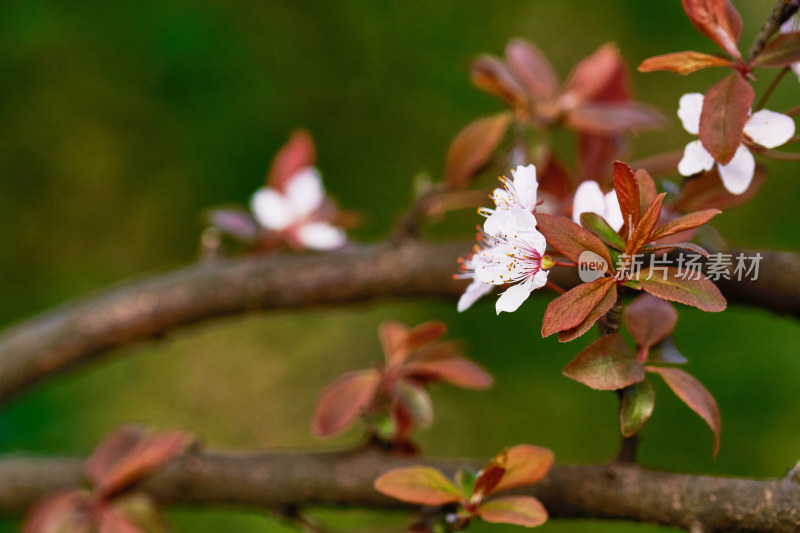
point(78, 332)
point(279, 480)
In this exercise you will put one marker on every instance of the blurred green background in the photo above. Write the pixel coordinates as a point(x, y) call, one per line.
point(120, 122)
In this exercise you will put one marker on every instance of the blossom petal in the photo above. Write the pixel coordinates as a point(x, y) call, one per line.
point(502, 199)
point(689, 108)
point(271, 209)
point(695, 159)
point(613, 212)
point(321, 236)
point(513, 221)
point(769, 129)
point(588, 199)
point(737, 175)
point(474, 291)
point(513, 296)
point(526, 186)
point(539, 279)
point(305, 192)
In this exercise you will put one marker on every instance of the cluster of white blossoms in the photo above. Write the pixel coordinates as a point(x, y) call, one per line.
point(510, 249)
point(298, 211)
point(766, 128)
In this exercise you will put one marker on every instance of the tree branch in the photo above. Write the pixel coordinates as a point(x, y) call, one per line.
point(139, 310)
point(277, 480)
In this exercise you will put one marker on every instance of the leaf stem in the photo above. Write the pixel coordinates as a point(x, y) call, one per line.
point(771, 88)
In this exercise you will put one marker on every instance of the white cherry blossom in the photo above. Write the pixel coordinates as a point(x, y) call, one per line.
point(520, 192)
point(296, 211)
point(767, 128)
point(589, 198)
point(515, 257)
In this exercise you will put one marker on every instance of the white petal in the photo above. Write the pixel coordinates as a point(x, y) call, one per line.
point(539, 279)
point(790, 25)
point(588, 199)
point(689, 109)
point(321, 236)
point(769, 129)
point(613, 212)
point(737, 175)
point(513, 221)
point(473, 293)
point(526, 186)
point(695, 159)
point(796, 69)
point(271, 209)
point(513, 297)
point(305, 192)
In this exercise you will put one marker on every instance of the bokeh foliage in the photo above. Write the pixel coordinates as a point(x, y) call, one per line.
point(120, 122)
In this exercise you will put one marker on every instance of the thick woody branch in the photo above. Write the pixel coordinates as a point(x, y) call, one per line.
point(274, 481)
point(148, 308)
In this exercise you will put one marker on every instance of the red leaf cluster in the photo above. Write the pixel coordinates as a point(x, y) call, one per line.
point(414, 357)
point(517, 466)
point(121, 461)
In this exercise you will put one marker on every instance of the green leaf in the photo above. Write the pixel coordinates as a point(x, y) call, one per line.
point(637, 405)
point(418, 484)
point(693, 394)
point(524, 511)
point(598, 225)
point(465, 479)
point(700, 293)
point(606, 364)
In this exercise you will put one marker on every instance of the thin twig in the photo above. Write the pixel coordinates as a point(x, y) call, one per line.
point(780, 13)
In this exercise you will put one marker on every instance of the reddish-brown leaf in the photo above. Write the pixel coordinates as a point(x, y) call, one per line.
point(493, 76)
point(627, 189)
point(602, 308)
point(643, 230)
point(613, 118)
point(683, 62)
point(65, 512)
point(717, 20)
point(296, 154)
point(129, 455)
point(592, 75)
point(488, 478)
point(473, 147)
point(647, 189)
point(344, 400)
point(532, 69)
point(554, 179)
point(595, 154)
point(569, 238)
point(649, 320)
point(574, 306)
point(781, 51)
point(706, 191)
point(425, 333)
point(418, 484)
point(700, 293)
point(693, 394)
point(115, 521)
point(454, 370)
point(606, 364)
point(394, 340)
point(726, 108)
point(524, 511)
point(525, 464)
point(668, 247)
point(686, 222)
